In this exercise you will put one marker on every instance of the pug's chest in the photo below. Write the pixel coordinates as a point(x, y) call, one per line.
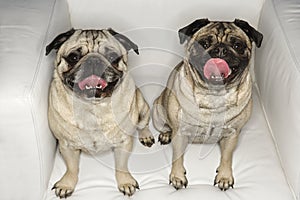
point(94, 129)
point(209, 120)
point(205, 127)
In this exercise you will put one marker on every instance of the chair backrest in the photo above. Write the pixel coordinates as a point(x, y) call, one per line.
point(170, 14)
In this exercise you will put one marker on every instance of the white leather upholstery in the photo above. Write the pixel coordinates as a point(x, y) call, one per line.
point(265, 164)
point(167, 14)
point(278, 78)
point(26, 145)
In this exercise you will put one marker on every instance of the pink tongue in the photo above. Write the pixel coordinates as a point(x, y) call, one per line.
point(216, 67)
point(92, 81)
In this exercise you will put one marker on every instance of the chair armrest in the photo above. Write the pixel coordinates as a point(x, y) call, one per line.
point(277, 70)
point(26, 145)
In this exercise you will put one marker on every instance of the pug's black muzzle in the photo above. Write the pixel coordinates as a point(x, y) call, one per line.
point(236, 63)
point(93, 65)
point(92, 77)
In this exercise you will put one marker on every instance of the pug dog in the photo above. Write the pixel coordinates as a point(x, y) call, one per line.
point(208, 95)
point(94, 104)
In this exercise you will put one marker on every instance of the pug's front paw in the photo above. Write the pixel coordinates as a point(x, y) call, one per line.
point(178, 179)
point(126, 183)
point(65, 186)
point(224, 179)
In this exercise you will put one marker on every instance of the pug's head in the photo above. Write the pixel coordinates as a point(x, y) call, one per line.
point(91, 63)
point(219, 51)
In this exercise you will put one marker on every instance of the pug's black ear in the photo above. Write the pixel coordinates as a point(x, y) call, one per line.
point(188, 31)
point(253, 34)
point(59, 40)
point(125, 41)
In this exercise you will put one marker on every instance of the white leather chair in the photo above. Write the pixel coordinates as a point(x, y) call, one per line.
point(266, 164)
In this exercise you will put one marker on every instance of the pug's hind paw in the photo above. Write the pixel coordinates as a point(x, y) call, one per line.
point(147, 141)
point(165, 138)
point(146, 137)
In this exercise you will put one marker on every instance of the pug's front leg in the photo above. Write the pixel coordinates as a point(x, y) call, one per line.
point(177, 177)
point(145, 135)
point(126, 183)
point(224, 179)
point(66, 185)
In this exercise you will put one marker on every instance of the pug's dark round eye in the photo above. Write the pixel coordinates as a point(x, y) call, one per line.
point(73, 58)
point(113, 58)
point(236, 45)
point(239, 47)
point(205, 44)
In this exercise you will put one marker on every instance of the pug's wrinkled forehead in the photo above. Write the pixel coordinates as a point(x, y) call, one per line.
point(97, 41)
point(221, 29)
point(92, 41)
point(222, 32)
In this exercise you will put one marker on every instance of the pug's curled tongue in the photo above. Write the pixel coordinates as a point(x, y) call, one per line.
point(92, 82)
point(216, 69)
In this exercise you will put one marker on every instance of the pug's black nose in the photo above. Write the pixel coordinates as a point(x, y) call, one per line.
point(220, 51)
point(93, 65)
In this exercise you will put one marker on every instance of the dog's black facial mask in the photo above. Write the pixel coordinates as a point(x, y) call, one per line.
point(95, 71)
point(95, 76)
point(219, 62)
